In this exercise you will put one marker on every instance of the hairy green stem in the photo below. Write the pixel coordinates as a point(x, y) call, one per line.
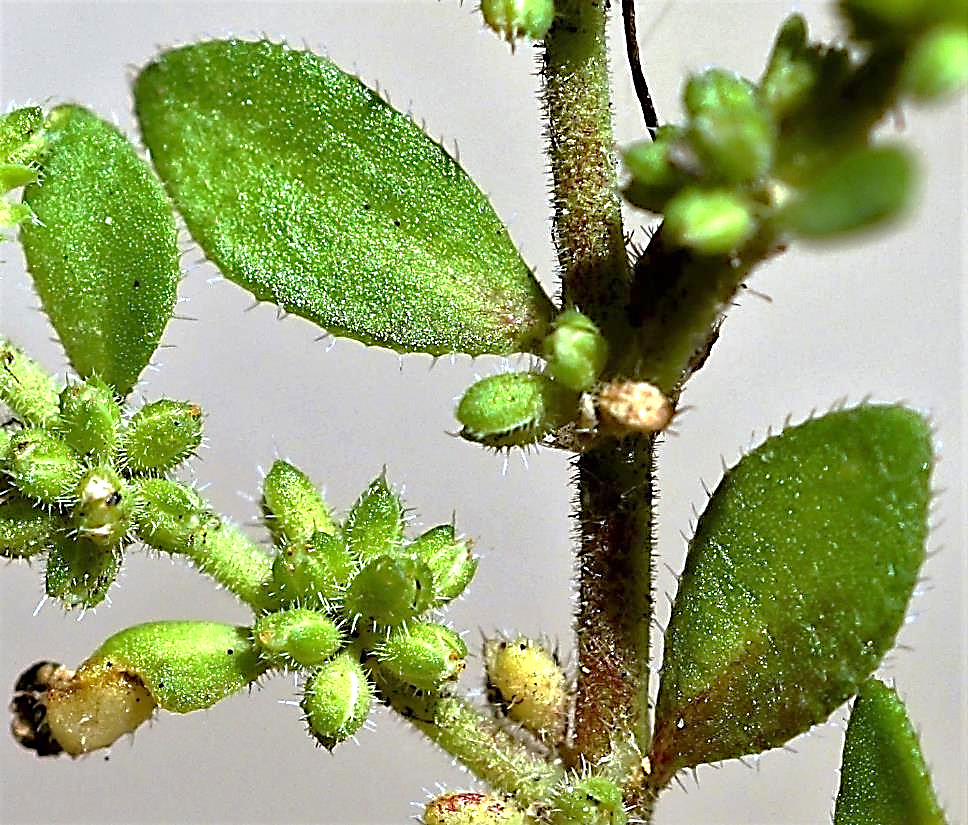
point(172, 518)
point(615, 479)
point(475, 740)
point(615, 598)
point(677, 302)
point(588, 213)
point(228, 556)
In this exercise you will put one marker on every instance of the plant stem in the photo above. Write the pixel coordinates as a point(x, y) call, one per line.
point(588, 214)
point(615, 479)
point(476, 741)
point(677, 303)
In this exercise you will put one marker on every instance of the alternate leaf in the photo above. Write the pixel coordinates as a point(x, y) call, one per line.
point(103, 250)
point(860, 190)
point(883, 777)
point(306, 188)
point(795, 584)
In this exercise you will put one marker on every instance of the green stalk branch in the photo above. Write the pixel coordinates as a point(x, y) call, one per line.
point(475, 740)
point(678, 301)
point(174, 519)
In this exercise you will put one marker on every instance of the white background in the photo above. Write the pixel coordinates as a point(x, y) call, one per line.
point(883, 316)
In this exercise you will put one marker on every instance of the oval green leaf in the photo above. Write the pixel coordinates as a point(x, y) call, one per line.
point(307, 189)
point(883, 777)
point(795, 584)
point(103, 249)
point(860, 190)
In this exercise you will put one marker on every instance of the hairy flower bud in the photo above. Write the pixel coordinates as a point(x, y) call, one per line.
point(390, 590)
point(423, 654)
point(528, 684)
point(90, 419)
point(161, 436)
point(337, 700)
point(449, 559)
point(304, 637)
point(292, 507)
point(41, 465)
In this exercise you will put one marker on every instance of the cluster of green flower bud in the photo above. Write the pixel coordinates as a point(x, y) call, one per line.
point(71, 468)
point(517, 409)
point(791, 154)
point(704, 174)
point(516, 19)
point(20, 143)
point(355, 592)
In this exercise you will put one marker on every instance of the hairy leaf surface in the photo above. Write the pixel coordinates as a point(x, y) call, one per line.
point(795, 585)
point(306, 188)
point(103, 249)
point(883, 777)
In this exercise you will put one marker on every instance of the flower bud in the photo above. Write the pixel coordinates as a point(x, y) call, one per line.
point(792, 71)
point(15, 175)
point(519, 18)
point(90, 419)
point(313, 574)
point(19, 132)
point(710, 222)
point(14, 214)
point(292, 507)
point(589, 800)
point(41, 465)
point(390, 590)
point(718, 90)
point(25, 529)
point(105, 505)
point(471, 808)
point(306, 637)
point(528, 683)
point(337, 700)
point(168, 514)
point(575, 350)
point(162, 435)
point(24, 387)
point(515, 409)
point(423, 654)
point(374, 525)
point(449, 559)
point(80, 572)
point(938, 63)
point(655, 173)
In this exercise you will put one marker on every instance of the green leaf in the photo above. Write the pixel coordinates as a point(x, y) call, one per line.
point(861, 189)
point(883, 777)
point(103, 251)
point(306, 188)
point(795, 584)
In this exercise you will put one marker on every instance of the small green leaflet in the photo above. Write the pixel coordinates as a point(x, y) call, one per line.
point(306, 188)
point(103, 250)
